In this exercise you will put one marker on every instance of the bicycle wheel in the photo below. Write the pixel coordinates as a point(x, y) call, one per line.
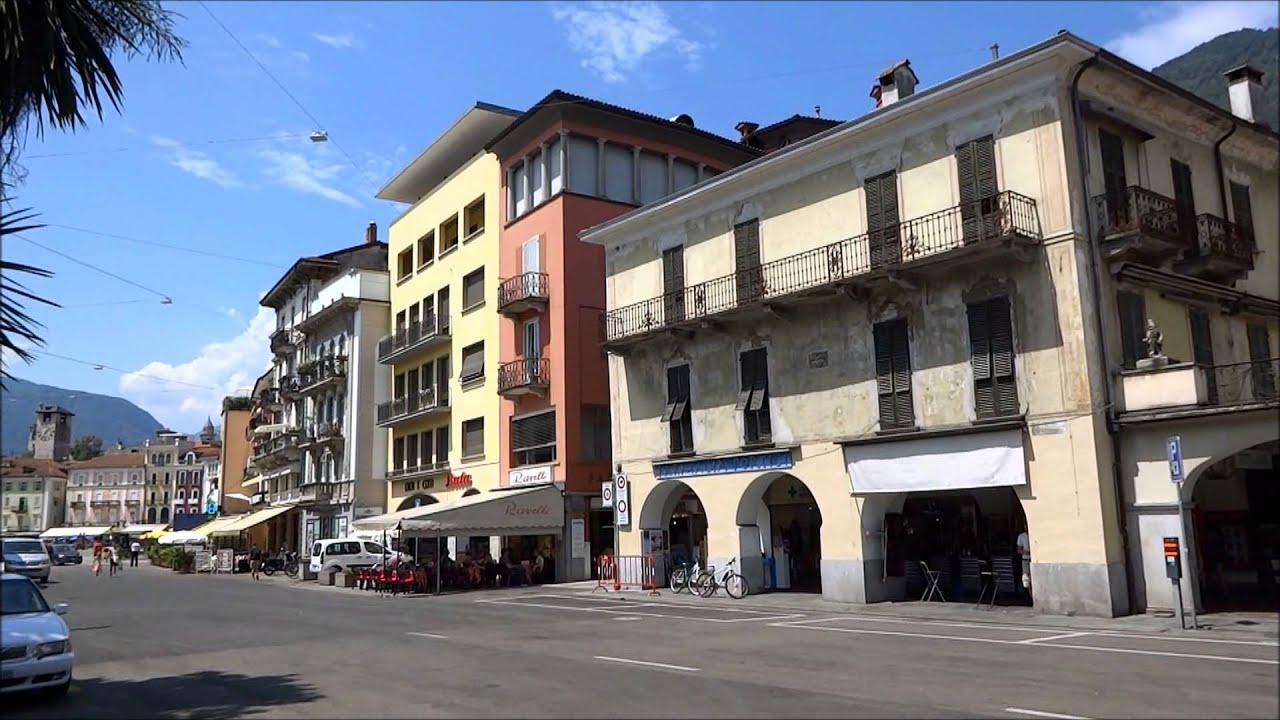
point(707, 585)
point(736, 586)
point(679, 580)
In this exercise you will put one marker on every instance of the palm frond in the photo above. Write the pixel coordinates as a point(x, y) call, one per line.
point(18, 330)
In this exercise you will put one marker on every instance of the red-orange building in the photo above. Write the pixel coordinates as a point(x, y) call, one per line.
point(569, 163)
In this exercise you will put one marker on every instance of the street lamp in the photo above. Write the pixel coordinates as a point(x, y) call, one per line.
point(319, 136)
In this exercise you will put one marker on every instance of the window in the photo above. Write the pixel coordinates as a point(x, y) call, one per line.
point(1263, 369)
point(442, 381)
point(673, 294)
point(554, 166)
point(653, 178)
point(473, 438)
point(473, 289)
point(678, 413)
point(425, 447)
point(683, 175)
point(1184, 203)
point(402, 320)
point(517, 203)
point(397, 453)
point(976, 172)
point(619, 173)
point(1133, 326)
point(882, 219)
point(753, 396)
point(746, 248)
point(533, 439)
point(449, 234)
point(474, 217)
point(472, 362)
point(404, 264)
point(411, 450)
point(1202, 349)
point(995, 389)
point(538, 191)
point(442, 444)
point(597, 445)
point(1242, 209)
point(427, 248)
point(893, 374)
point(584, 163)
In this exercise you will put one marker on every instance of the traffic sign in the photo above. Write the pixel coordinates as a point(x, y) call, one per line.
point(1175, 458)
point(606, 494)
point(622, 501)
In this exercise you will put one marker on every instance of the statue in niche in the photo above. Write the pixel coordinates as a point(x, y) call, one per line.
point(1154, 340)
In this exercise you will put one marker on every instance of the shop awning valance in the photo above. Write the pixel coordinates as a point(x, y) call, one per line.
point(208, 528)
point(142, 529)
point(75, 532)
point(531, 510)
point(945, 462)
point(247, 521)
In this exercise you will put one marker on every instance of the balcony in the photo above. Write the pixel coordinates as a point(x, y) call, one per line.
point(277, 451)
point(524, 292)
point(1138, 224)
point(1223, 251)
point(419, 470)
point(321, 433)
point(412, 406)
point(416, 337)
point(291, 387)
point(975, 232)
point(1186, 386)
point(283, 341)
point(318, 492)
point(323, 372)
point(524, 377)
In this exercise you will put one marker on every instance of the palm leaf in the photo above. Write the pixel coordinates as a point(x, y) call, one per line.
point(17, 327)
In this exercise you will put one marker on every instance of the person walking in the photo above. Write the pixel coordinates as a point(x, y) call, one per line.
point(113, 561)
point(135, 549)
point(255, 560)
point(1024, 550)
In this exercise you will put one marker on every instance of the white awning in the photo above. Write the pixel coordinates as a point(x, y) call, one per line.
point(141, 529)
point(75, 532)
point(949, 462)
point(531, 510)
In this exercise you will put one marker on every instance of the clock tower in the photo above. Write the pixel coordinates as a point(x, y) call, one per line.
point(50, 435)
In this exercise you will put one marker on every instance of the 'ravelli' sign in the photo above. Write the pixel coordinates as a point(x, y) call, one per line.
point(515, 510)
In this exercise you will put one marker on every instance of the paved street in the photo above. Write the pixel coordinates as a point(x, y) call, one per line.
point(154, 644)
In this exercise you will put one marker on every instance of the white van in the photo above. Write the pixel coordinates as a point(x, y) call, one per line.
point(349, 552)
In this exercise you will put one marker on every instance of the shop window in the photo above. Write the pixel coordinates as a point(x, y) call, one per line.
point(995, 387)
point(597, 444)
point(893, 374)
point(753, 396)
point(474, 217)
point(678, 413)
point(533, 439)
point(427, 248)
point(473, 438)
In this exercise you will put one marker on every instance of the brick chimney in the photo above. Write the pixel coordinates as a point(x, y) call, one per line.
point(745, 128)
point(371, 233)
point(1244, 90)
point(894, 83)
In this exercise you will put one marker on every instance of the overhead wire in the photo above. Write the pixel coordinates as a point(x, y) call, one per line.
point(103, 366)
point(169, 246)
point(224, 141)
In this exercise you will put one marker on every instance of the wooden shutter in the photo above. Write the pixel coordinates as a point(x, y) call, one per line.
point(893, 373)
point(759, 379)
point(442, 444)
point(534, 431)
point(472, 362)
point(1002, 357)
point(442, 308)
point(1133, 314)
point(882, 219)
point(397, 453)
point(1242, 209)
point(473, 437)
point(673, 283)
point(746, 374)
point(442, 380)
point(1184, 201)
point(425, 447)
point(746, 246)
point(1202, 348)
point(1114, 181)
point(976, 172)
point(1263, 371)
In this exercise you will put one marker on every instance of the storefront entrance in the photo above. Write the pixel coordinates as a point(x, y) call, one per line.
point(792, 538)
point(673, 526)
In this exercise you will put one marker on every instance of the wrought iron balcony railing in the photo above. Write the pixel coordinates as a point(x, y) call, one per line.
point(420, 468)
point(1242, 383)
point(409, 405)
point(428, 332)
point(283, 341)
point(528, 373)
point(520, 292)
point(321, 371)
point(1004, 216)
point(1225, 240)
point(1138, 211)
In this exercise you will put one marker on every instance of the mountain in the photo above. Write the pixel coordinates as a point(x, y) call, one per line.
point(1200, 69)
point(110, 418)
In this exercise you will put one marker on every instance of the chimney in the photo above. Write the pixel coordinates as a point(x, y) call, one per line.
point(1244, 90)
point(371, 233)
point(895, 83)
point(745, 128)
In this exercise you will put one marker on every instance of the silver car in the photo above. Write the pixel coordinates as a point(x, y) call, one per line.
point(26, 557)
point(36, 651)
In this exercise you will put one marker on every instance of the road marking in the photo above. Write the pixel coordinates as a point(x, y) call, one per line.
point(1130, 651)
point(646, 663)
point(430, 635)
point(626, 618)
point(1041, 713)
point(1033, 641)
point(633, 610)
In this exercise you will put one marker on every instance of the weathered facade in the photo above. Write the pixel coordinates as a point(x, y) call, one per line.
point(34, 493)
point(823, 357)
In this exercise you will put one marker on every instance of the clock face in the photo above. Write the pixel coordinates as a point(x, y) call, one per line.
point(45, 433)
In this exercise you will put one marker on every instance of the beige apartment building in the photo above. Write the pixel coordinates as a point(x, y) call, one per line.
point(879, 354)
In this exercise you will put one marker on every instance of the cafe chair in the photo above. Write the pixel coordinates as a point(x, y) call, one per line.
point(931, 583)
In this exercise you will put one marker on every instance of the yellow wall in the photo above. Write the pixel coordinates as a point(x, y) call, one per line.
point(479, 177)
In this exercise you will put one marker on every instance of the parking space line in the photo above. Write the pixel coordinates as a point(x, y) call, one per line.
point(757, 619)
point(429, 635)
point(1033, 641)
point(646, 663)
point(1043, 714)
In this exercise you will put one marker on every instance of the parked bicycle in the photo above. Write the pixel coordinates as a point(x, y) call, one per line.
point(734, 584)
point(288, 563)
point(685, 577)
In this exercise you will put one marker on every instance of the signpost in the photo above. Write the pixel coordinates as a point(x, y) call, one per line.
point(606, 494)
point(622, 501)
point(1174, 571)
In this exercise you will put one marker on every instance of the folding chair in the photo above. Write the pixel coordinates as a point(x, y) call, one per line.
point(931, 583)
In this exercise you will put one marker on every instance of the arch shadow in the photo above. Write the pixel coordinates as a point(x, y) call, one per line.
point(417, 501)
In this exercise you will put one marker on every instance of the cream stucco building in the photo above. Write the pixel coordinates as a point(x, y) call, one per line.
point(884, 351)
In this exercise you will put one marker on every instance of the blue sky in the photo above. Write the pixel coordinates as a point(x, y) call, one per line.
point(212, 155)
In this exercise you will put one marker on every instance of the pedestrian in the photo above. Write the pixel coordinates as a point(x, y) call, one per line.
point(112, 560)
point(134, 550)
point(1024, 549)
point(97, 547)
point(97, 564)
point(255, 560)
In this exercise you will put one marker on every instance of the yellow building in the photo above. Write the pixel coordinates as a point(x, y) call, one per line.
point(444, 342)
point(882, 353)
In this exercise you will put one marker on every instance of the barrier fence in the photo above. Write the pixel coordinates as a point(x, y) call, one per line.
point(615, 572)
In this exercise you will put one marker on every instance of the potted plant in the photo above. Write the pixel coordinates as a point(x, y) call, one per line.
point(327, 577)
point(348, 578)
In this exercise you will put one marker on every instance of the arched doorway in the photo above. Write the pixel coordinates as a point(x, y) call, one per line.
point(164, 515)
point(673, 526)
point(790, 523)
point(470, 492)
point(1235, 518)
point(414, 501)
point(151, 515)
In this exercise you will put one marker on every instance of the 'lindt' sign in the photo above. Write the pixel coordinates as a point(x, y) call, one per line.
point(457, 481)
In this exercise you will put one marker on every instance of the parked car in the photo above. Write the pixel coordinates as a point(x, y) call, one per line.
point(64, 554)
point(36, 645)
point(25, 556)
point(349, 552)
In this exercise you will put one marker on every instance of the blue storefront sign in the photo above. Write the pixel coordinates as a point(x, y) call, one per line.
point(746, 462)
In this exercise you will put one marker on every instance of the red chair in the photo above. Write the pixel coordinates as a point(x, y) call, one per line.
point(406, 581)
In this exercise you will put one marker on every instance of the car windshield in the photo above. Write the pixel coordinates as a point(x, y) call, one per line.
point(19, 596)
point(23, 546)
point(62, 548)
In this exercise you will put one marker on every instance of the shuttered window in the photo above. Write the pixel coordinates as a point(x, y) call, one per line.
point(753, 396)
point(472, 362)
point(597, 443)
point(1133, 326)
point(426, 449)
point(893, 374)
point(533, 438)
point(1184, 202)
point(882, 219)
point(1242, 208)
point(442, 444)
point(1202, 349)
point(473, 289)
point(1263, 370)
point(673, 283)
point(995, 387)
point(746, 248)
point(678, 413)
point(397, 453)
point(1114, 182)
point(976, 172)
point(473, 438)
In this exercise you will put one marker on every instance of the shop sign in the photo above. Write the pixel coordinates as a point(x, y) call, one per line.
point(458, 481)
point(515, 509)
point(529, 476)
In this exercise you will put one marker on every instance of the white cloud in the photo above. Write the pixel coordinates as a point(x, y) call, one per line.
point(1171, 29)
point(340, 41)
point(270, 41)
point(196, 163)
point(296, 171)
point(615, 38)
point(183, 395)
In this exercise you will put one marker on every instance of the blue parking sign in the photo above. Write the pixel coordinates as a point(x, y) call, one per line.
point(1175, 458)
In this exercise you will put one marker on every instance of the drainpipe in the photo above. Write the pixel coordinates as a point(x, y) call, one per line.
point(1082, 154)
point(1217, 165)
